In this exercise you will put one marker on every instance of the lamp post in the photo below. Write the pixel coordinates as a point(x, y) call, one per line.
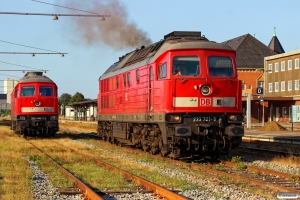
point(262, 97)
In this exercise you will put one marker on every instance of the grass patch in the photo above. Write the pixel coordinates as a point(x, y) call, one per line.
point(17, 177)
point(240, 166)
point(236, 159)
point(219, 167)
point(79, 125)
point(290, 160)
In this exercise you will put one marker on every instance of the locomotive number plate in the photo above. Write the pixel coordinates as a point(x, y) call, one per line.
point(205, 119)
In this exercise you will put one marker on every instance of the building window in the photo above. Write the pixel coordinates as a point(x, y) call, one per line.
point(276, 87)
point(250, 87)
point(284, 111)
point(270, 68)
point(296, 84)
point(283, 66)
point(260, 84)
point(276, 67)
point(270, 87)
point(290, 85)
point(290, 65)
point(243, 87)
point(297, 63)
point(283, 86)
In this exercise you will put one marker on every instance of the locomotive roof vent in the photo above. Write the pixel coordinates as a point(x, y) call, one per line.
point(179, 34)
point(34, 74)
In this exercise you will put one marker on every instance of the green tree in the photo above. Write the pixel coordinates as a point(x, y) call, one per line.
point(64, 99)
point(77, 97)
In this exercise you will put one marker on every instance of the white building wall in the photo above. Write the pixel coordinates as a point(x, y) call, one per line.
point(9, 85)
point(70, 112)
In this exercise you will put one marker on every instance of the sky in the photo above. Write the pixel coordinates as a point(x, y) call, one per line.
point(91, 45)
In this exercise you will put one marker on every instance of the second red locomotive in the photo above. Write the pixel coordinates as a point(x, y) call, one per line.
point(179, 96)
point(34, 106)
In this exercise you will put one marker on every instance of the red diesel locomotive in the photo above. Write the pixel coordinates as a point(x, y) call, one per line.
point(34, 106)
point(177, 97)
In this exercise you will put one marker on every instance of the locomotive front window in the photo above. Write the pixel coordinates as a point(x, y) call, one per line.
point(28, 91)
point(220, 66)
point(186, 66)
point(46, 91)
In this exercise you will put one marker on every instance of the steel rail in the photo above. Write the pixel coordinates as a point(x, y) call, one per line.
point(270, 150)
point(158, 190)
point(88, 192)
point(266, 171)
point(245, 179)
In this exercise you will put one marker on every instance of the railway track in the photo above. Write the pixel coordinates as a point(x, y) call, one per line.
point(281, 148)
point(275, 181)
point(144, 186)
point(86, 191)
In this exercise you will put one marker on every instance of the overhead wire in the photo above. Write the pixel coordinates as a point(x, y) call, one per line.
point(66, 7)
point(9, 75)
point(20, 65)
point(28, 46)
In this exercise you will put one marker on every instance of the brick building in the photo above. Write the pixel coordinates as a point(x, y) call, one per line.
point(250, 54)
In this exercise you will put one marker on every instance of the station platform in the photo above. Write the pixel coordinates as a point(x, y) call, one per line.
point(291, 135)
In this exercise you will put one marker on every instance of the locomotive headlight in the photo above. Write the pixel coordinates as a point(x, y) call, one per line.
point(236, 117)
point(37, 103)
point(231, 117)
point(205, 90)
point(172, 118)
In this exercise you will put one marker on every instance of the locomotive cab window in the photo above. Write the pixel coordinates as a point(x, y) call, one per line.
point(124, 80)
point(128, 79)
point(117, 82)
point(162, 68)
point(46, 91)
point(220, 66)
point(137, 76)
point(151, 74)
point(186, 66)
point(28, 91)
point(16, 93)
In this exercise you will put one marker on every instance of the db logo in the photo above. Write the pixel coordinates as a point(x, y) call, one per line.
point(205, 102)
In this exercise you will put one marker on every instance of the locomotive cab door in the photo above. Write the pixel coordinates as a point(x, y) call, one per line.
point(150, 90)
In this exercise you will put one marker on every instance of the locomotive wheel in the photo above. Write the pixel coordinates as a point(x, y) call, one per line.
point(225, 148)
point(214, 154)
point(22, 134)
